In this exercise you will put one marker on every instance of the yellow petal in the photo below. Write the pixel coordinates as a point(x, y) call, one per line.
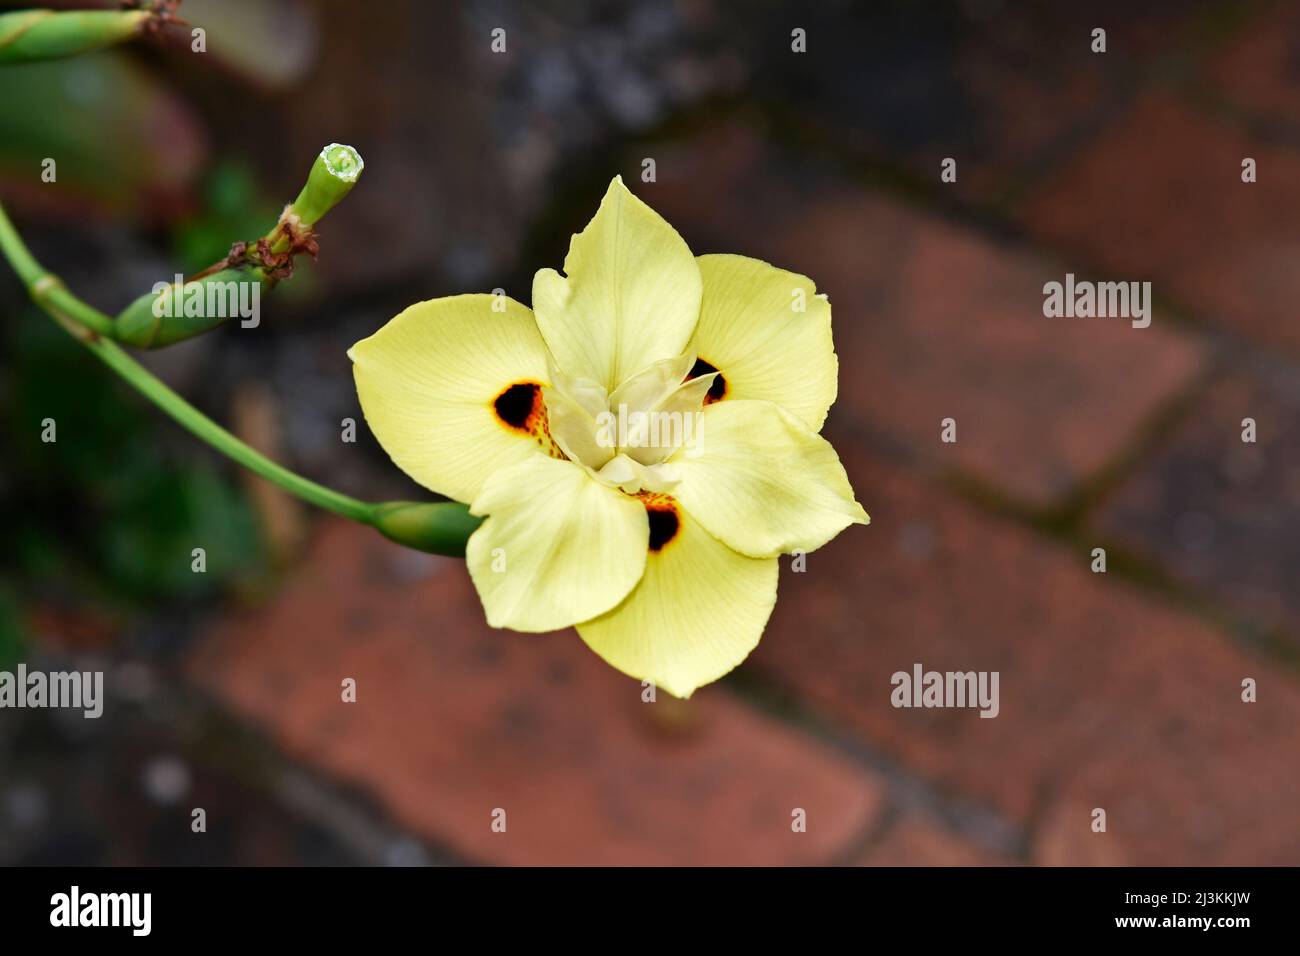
point(697, 613)
point(769, 333)
point(558, 547)
point(631, 296)
point(763, 482)
point(429, 383)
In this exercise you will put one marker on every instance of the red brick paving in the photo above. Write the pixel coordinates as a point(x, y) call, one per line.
point(454, 720)
point(1065, 834)
point(1220, 514)
point(1257, 73)
point(1159, 197)
point(1104, 691)
point(933, 320)
point(1020, 86)
point(1175, 808)
point(917, 842)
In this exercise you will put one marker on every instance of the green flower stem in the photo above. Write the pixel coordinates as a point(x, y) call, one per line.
point(116, 358)
point(30, 35)
point(46, 289)
point(140, 326)
point(438, 527)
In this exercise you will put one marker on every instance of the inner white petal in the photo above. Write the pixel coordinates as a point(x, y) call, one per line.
point(624, 437)
point(633, 477)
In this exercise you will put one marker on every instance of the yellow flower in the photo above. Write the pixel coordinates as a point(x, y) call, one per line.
point(643, 443)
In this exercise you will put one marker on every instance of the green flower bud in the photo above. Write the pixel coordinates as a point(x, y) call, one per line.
point(175, 311)
point(332, 177)
point(29, 35)
point(441, 527)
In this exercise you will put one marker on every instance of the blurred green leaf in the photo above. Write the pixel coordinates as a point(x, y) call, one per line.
point(161, 516)
point(121, 141)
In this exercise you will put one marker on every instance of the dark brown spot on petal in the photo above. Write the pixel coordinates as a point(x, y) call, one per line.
point(665, 523)
point(718, 390)
point(517, 404)
point(522, 409)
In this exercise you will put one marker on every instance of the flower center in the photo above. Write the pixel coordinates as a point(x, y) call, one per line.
point(625, 437)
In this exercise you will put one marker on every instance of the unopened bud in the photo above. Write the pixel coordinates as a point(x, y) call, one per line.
point(332, 177)
point(441, 527)
point(173, 312)
point(30, 35)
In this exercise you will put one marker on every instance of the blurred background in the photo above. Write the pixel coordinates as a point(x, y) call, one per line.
point(1119, 690)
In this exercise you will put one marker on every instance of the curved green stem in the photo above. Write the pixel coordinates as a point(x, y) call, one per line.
point(439, 527)
point(88, 325)
point(30, 35)
point(46, 289)
point(209, 431)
